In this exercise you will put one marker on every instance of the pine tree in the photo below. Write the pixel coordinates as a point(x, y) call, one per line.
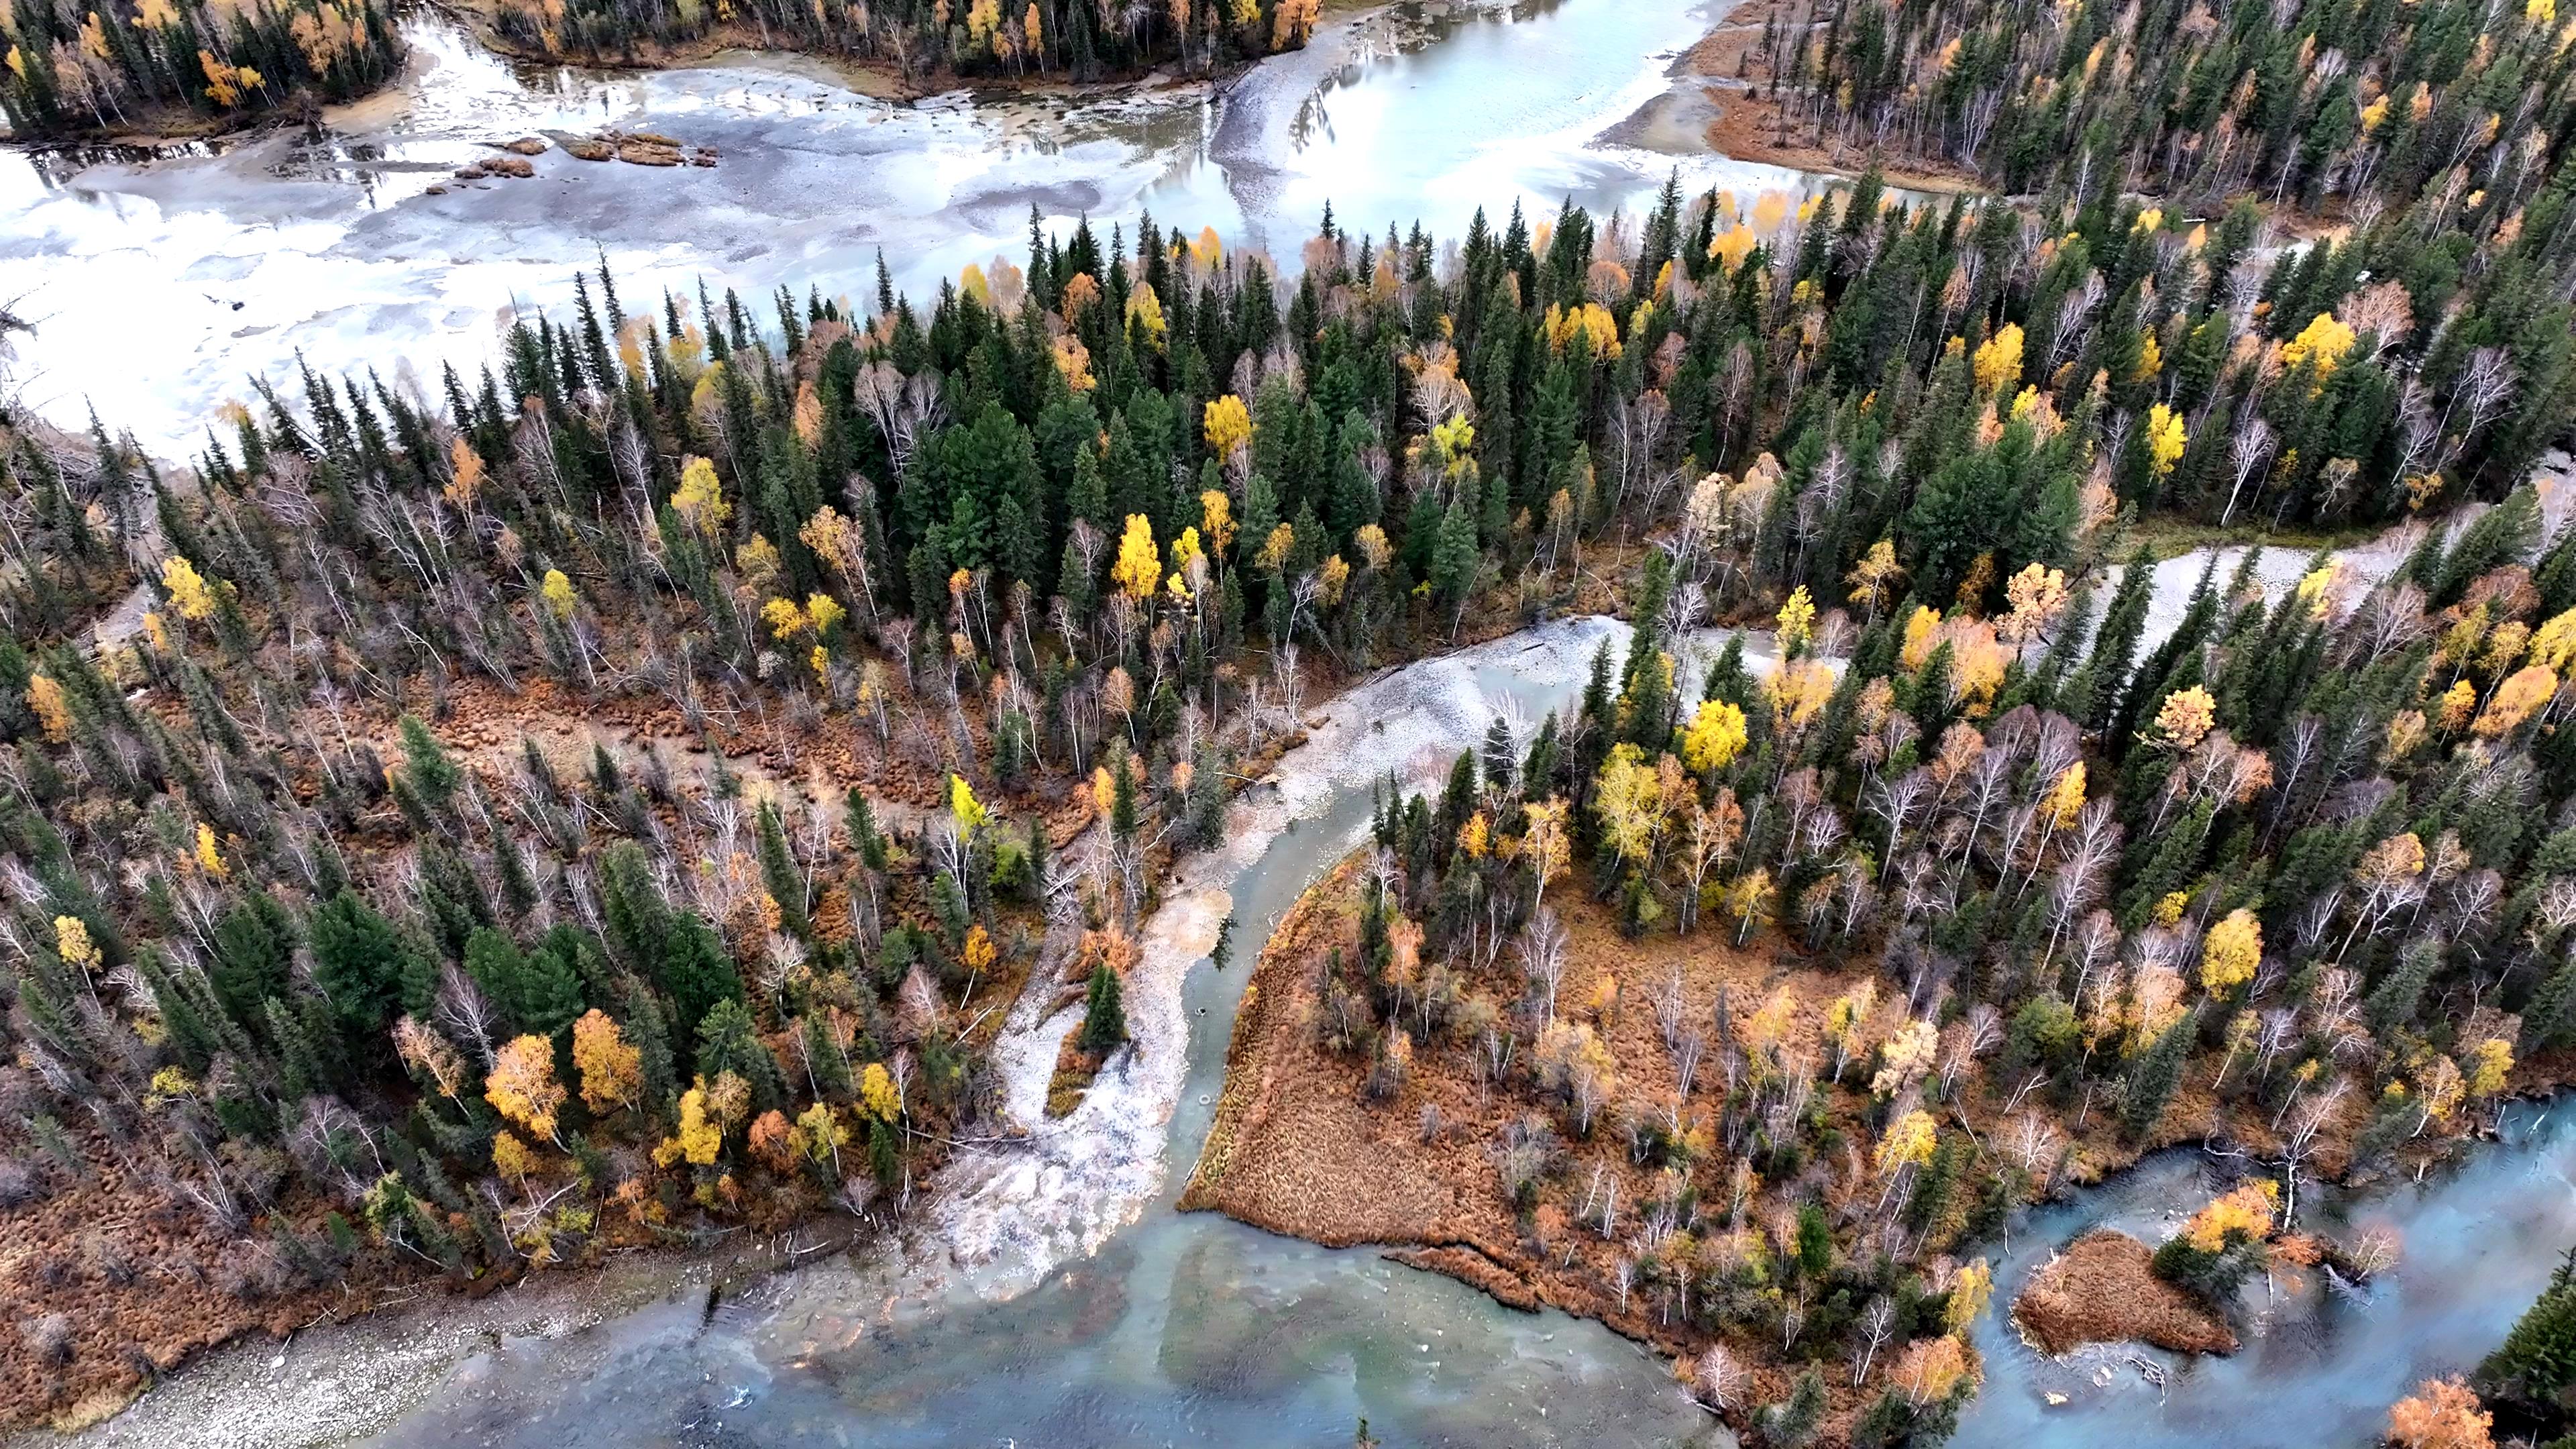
point(359, 961)
point(2115, 645)
point(536, 991)
point(696, 972)
point(1104, 1017)
point(2153, 1080)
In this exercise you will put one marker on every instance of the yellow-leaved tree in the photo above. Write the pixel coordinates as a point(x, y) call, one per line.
point(522, 1086)
point(699, 1139)
point(187, 587)
point(877, 1094)
point(2229, 954)
point(1139, 566)
point(2165, 439)
point(700, 499)
point(1716, 735)
point(1997, 364)
point(612, 1071)
point(1228, 425)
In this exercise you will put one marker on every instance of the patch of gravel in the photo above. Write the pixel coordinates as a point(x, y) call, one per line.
point(340, 1382)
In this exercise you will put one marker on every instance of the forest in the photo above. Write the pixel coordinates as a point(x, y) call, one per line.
point(2347, 108)
point(127, 67)
point(1983, 913)
point(185, 66)
point(603, 798)
point(987, 40)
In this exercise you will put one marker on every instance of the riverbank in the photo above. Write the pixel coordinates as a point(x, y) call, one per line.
point(1735, 104)
point(340, 1378)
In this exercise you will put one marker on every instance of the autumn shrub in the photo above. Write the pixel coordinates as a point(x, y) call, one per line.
point(2440, 1414)
point(253, 1271)
point(48, 1338)
point(113, 1257)
point(2222, 1243)
point(19, 1184)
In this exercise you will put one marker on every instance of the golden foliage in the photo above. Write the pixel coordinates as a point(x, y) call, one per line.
point(700, 499)
point(1589, 321)
point(1997, 364)
point(2184, 717)
point(2165, 439)
point(2239, 1216)
point(1970, 1292)
point(2324, 341)
point(1628, 797)
point(2066, 797)
point(1714, 737)
point(1228, 425)
point(1796, 620)
point(1139, 567)
point(1874, 575)
point(53, 710)
point(72, 943)
point(1798, 690)
point(699, 1139)
point(2230, 952)
point(522, 1086)
point(612, 1072)
point(1905, 1057)
point(187, 588)
point(877, 1094)
point(209, 859)
point(1931, 1369)
point(2523, 692)
point(2037, 595)
point(2442, 1413)
point(511, 1157)
point(1908, 1143)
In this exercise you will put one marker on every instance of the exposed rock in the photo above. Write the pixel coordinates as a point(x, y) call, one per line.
point(643, 152)
point(527, 146)
point(509, 166)
point(474, 172)
point(591, 150)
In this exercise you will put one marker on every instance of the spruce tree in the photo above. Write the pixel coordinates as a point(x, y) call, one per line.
point(2153, 1080)
point(1104, 1017)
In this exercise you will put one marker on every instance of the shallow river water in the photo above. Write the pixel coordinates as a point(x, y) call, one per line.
point(236, 257)
point(1058, 1301)
point(1196, 1330)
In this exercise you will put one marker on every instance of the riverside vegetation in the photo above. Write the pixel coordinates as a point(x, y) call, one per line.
point(323, 977)
point(184, 66)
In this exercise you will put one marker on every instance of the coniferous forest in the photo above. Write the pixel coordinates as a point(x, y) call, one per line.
point(604, 798)
point(1075, 40)
point(114, 68)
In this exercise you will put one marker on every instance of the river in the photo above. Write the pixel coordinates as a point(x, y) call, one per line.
point(235, 257)
point(1192, 1329)
point(1052, 1297)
